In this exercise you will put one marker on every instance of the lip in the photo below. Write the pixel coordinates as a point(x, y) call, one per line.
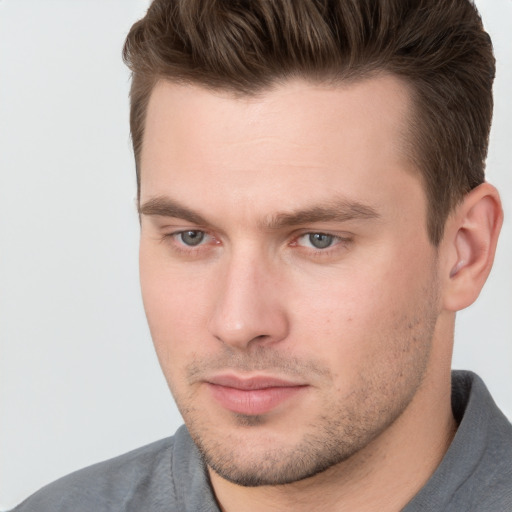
point(252, 395)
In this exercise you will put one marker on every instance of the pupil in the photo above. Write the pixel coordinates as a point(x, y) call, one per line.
point(320, 240)
point(192, 237)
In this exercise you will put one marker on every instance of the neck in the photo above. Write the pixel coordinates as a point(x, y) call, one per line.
point(384, 476)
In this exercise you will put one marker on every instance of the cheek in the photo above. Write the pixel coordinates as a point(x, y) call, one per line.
point(175, 306)
point(363, 316)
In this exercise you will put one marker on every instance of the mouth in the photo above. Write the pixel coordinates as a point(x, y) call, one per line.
point(254, 395)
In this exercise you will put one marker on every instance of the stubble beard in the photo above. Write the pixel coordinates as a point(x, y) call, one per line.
point(345, 427)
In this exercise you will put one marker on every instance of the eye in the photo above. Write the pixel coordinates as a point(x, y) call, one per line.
point(317, 240)
point(191, 238)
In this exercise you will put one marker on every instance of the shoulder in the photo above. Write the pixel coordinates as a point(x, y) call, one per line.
point(162, 476)
point(476, 472)
point(141, 477)
point(487, 435)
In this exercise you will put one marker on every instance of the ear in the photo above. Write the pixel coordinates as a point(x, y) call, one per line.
point(469, 245)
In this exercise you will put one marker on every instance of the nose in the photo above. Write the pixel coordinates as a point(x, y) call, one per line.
point(249, 308)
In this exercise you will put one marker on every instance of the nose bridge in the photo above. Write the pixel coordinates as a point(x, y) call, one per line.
point(248, 307)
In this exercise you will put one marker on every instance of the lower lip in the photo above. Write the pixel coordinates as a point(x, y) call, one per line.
point(253, 401)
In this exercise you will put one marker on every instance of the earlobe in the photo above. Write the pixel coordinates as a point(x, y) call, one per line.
point(471, 238)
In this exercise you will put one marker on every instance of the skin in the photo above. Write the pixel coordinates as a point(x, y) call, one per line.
point(363, 325)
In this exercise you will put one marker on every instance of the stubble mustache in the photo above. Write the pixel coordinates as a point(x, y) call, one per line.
point(258, 359)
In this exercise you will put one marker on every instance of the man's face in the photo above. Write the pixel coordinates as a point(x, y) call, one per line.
point(287, 276)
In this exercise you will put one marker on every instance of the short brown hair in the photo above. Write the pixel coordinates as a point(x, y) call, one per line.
point(439, 47)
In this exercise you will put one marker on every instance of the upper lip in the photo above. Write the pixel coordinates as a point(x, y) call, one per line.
point(249, 383)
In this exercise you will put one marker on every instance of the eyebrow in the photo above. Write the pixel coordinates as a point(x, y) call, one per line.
point(334, 211)
point(166, 207)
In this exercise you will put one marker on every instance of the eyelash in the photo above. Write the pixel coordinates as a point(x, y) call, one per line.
point(190, 250)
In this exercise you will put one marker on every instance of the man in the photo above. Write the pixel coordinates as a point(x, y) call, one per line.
point(313, 213)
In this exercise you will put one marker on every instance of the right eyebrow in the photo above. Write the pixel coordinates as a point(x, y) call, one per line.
point(337, 210)
point(166, 207)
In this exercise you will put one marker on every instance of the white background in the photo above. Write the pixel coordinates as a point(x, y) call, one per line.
point(78, 378)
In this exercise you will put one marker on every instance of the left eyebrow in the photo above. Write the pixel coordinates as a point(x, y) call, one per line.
point(336, 211)
point(165, 207)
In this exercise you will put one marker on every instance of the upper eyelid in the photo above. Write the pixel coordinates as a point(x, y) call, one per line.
point(170, 231)
point(182, 226)
point(336, 234)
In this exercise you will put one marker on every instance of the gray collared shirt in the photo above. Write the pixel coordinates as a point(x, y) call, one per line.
point(169, 475)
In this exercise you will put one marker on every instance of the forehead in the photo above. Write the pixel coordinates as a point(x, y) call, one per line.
point(298, 140)
point(290, 109)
